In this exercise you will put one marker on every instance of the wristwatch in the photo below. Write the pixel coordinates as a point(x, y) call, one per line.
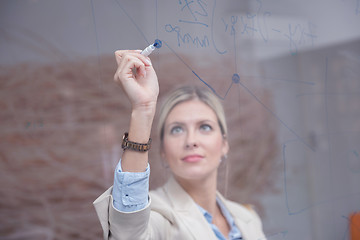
point(139, 147)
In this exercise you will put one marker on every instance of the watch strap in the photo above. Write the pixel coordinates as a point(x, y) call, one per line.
point(139, 147)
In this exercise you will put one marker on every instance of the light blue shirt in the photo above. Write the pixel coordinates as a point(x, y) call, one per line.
point(131, 191)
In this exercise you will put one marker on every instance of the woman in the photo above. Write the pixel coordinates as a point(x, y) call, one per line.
point(193, 136)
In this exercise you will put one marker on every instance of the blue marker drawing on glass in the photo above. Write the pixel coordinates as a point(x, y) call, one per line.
point(147, 51)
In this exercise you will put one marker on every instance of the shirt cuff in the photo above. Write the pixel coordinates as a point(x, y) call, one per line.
point(131, 189)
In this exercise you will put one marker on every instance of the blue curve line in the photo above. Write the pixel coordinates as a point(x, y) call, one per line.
point(212, 31)
point(133, 22)
point(187, 65)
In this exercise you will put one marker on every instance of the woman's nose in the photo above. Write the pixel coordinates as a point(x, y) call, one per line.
point(191, 140)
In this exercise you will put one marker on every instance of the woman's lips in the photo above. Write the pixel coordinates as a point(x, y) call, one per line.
point(193, 158)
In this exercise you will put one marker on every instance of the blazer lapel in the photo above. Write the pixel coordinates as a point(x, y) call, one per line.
point(243, 219)
point(189, 214)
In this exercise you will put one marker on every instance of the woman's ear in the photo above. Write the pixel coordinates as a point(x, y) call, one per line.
point(163, 159)
point(225, 148)
point(162, 153)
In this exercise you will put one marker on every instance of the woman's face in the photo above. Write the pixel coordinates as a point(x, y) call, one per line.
point(193, 143)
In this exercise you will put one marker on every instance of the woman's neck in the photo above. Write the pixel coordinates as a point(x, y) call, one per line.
point(202, 191)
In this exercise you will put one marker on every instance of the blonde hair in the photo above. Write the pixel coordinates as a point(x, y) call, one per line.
point(188, 93)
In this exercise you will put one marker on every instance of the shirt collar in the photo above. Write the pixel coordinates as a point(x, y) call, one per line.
point(223, 209)
point(206, 214)
point(234, 231)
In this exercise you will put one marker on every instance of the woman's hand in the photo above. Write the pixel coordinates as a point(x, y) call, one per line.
point(138, 79)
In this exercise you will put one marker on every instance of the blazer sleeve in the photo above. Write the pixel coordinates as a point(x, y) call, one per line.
point(121, 225)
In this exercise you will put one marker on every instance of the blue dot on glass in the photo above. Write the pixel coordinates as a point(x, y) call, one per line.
point(236, 78)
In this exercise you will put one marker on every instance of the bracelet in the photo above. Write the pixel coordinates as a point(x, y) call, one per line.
point(139, 147)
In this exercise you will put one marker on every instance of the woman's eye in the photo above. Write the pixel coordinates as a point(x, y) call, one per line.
point(206, 127)
point(176, 130)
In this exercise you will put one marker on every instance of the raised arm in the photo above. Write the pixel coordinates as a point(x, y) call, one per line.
point(138, 79)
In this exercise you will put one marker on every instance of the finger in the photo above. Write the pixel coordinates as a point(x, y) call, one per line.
point(146, 60)
point(125, 69)
point(143, 58)
point(130, 61)
point(120, 53)
point(141, 71)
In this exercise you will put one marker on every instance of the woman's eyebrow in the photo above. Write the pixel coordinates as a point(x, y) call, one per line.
point(207, 121)
point(175, 123)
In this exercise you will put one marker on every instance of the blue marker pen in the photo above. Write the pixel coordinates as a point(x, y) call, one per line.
point(146, 52)
point(157, 44)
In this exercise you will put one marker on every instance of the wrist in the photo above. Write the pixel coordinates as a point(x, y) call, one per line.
point(145, 109)
point(143, 116)
point(141, 124)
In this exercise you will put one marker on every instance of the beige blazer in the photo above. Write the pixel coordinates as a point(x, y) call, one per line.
point(171, 214)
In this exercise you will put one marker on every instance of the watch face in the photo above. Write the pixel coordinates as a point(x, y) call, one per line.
point(125, 136)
